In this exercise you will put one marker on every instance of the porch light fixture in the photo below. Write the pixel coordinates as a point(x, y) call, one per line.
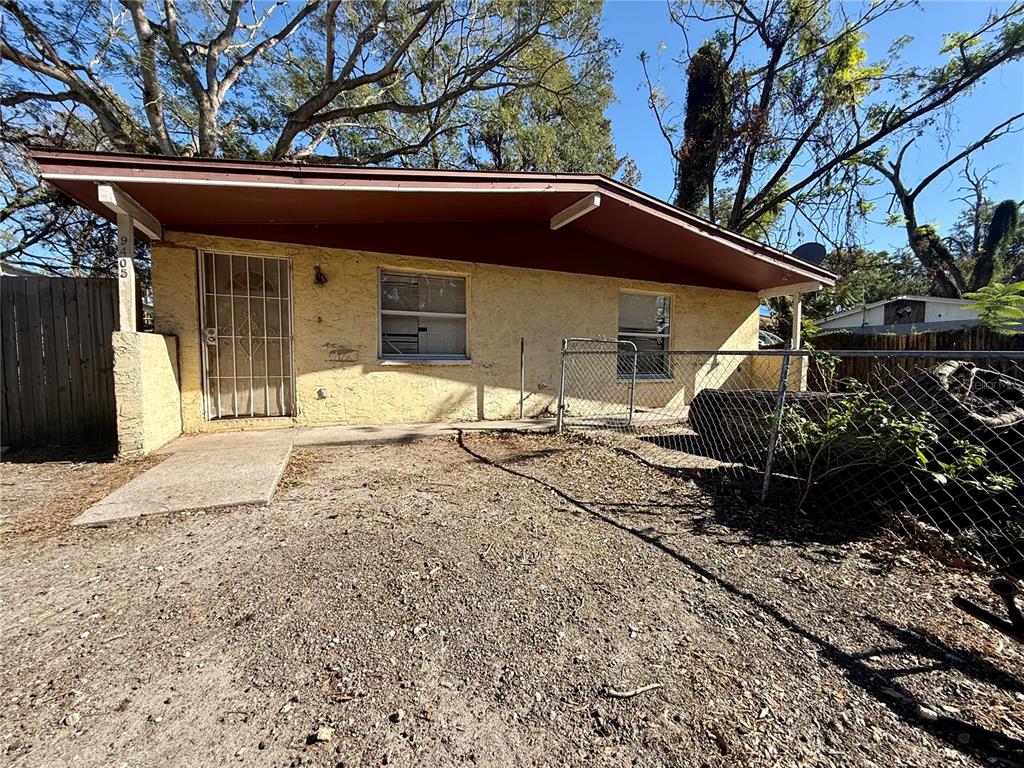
point(319, 278)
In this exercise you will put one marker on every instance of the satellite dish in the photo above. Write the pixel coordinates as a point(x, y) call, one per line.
point(813, 253)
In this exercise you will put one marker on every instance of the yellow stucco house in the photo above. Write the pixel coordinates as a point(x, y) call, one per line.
point(292, 295)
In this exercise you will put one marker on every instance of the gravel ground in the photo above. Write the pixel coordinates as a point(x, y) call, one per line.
point(491, 603)
point(41, 490)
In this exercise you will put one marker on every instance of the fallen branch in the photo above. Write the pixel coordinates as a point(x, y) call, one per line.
point(611, 693)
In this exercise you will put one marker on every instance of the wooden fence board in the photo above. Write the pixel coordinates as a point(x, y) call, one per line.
point(58, 312)
point(24, 403)
point(51, 379)
point(881, 371)
point(87, 343)
point(78, 430)
point(57, 360)
point(108, 291)
point(11, 413)
point(973, 338)
point(33, 336)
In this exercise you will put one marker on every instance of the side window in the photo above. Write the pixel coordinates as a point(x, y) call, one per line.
point(423, 316)
point(645, 319)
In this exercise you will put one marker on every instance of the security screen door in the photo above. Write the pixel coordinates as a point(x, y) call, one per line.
point(247, 335)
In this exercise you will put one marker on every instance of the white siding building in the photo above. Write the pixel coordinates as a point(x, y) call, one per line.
point(905, 314)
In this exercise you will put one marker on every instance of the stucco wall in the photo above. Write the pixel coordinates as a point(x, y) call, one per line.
point(336, 333)
point(146, 390)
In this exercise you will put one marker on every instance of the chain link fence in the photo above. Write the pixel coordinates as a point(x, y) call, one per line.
point(930, 445)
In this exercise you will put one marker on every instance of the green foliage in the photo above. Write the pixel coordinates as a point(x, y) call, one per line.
point(1002, 229)
point(809, 328)
point(558, 128)
point(864, 277)
point(706, 127)
point(932, 250)
point(807, 105)
point(984, 244)
point(847, 76)
point(862, 432)
point(1000, 306)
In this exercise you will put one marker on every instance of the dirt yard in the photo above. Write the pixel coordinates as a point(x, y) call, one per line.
point(42, 490)
point(517, 600)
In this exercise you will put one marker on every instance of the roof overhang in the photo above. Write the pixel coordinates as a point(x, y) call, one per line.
point(579, 223)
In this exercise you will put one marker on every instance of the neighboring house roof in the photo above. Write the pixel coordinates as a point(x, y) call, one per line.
point(13, 270)
point(903, 297)
point(580, 223)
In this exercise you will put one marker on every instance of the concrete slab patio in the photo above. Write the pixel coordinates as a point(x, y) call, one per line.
point(230, 469)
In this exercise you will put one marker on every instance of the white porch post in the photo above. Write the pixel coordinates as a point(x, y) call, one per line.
point(130, 215)
point(795, 291)
point(126, 273)
point(798, 312)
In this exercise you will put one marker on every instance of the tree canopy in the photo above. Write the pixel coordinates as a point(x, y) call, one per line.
point(806, 105)
point(432, 83)
point(377, 80)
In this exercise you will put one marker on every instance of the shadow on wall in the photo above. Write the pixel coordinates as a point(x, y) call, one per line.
point(356, 392)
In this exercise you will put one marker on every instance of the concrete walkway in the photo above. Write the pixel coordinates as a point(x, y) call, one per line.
point(405, 433)
point(228, 469)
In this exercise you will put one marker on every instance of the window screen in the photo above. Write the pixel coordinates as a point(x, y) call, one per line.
point(645, 320)
point(422, 316)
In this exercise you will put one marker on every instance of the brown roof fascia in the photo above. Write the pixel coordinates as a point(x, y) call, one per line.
point(257, 172)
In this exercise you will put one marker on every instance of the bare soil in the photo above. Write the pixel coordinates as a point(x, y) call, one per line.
point(491, 602)
point(42, 490)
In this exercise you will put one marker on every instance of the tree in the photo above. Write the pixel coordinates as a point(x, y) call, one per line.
point(375, 81)
point(865, 277)
point(966, 239)
point(707, 127)
point(807, 105)
point(1000, 306)
point(548, 130)
point(46, 231)
point(196, 69)
point(952, 276)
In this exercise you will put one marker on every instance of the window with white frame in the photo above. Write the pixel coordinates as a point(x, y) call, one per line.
point(422, 316)
point(645, 319)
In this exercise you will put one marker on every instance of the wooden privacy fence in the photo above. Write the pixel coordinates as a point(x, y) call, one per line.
point(882, 370)
point(975, 338)
point(58, 360)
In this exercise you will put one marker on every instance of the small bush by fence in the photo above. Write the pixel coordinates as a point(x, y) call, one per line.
point(931, 444)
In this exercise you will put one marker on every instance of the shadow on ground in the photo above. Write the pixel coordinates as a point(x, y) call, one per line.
point(64, 454)
point(917, 642)
point(979, 743)
point(734, 491)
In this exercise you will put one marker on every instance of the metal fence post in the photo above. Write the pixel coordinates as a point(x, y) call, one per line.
point(560, 412)
point(522, 373)
point(632, 389)
point(780, 398)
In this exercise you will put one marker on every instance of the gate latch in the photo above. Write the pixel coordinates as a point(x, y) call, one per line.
point(211, 335)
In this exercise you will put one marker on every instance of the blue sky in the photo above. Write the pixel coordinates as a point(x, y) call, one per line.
point(640, 25)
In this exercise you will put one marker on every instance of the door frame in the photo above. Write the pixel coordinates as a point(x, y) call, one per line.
point(291, 403)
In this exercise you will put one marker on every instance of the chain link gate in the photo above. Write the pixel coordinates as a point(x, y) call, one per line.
point(928, 444)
